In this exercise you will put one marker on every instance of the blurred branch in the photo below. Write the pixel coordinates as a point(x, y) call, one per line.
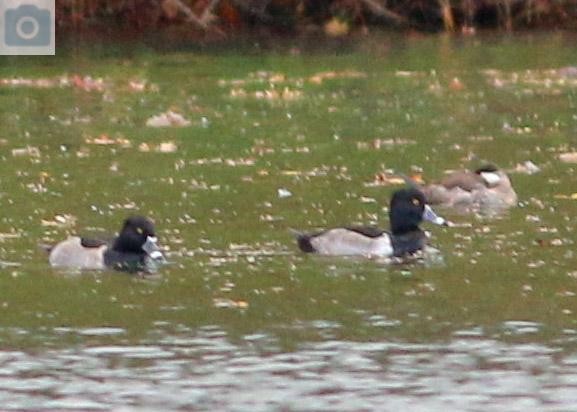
point(447, 14)
point(207, 15)
point(380, 10)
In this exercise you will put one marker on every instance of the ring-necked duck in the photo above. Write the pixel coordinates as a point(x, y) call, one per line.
point(407, 210)
point(486, 189)
point(134, 249)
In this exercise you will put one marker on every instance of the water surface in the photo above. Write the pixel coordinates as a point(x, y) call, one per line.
point(241, 320)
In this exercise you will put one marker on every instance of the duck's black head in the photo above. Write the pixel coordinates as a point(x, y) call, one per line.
point(135, 247)
point(135, 233)
point(408, 209)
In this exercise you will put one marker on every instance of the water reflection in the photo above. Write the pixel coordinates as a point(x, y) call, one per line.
point(203, 370)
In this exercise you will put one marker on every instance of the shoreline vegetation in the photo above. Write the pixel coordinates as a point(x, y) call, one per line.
point(225, 18)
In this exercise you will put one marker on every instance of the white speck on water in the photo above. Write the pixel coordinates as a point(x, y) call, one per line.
point(283, 193)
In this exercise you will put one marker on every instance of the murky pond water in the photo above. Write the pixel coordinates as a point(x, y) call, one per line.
point(259, 143)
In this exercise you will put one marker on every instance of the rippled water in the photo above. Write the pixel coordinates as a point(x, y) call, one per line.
point(274, 140)
point(203, 370)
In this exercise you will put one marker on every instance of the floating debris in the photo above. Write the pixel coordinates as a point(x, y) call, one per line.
point(569, 71)
point(105, 140)
point(88, 83)
point(71, 120)
point(481, 138)
point(168, 119)
point(229, 303)
point(219, 160)
point(142, 85)
point(167, 147)
point(377, 144)
point(64, 220)
point(527, 167)
point(366, 199)
point(260, 148)
point(85, 83)
point(279, 87)
point(239, 162)
point(42, 83)
point(271, 94)
point(270, 218)
point(144, 147)
point(456, 84)
point(345, 74)
point(284, 94)
point(122, 206)
point(26, 151)
point(282, 193)
point(11, 235)
point(407, 73)
point(569, 157)
point(386, 179)
point(544, 82)
point(516, 129)
point(572, 196)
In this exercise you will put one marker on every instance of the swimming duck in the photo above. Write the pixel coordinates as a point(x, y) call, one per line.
point(407, 210)
point(487, 188)
point(134, 249)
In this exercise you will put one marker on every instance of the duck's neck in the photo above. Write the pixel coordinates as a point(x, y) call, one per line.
point(127, 245)
point(399, 229)
point(408, 242)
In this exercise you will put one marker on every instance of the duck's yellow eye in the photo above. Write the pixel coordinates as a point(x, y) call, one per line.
point(139, 230)
point(416, 201)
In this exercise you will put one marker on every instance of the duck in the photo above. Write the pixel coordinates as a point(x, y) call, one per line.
point(134, 249)
point(408, 208)
point(485, 189)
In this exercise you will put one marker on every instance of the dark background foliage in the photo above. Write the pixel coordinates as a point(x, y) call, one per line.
point(334, 17)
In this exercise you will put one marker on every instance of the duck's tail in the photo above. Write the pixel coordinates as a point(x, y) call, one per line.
point(303, 240)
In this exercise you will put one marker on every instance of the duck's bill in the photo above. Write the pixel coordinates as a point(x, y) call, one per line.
point(430, 216)
point(151, 248)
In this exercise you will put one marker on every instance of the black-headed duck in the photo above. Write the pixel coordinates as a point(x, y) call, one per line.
point(134, 249)
point(407, 210)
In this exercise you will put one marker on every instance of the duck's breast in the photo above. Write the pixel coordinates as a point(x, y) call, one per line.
point(71, 253)
point(343, 241)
